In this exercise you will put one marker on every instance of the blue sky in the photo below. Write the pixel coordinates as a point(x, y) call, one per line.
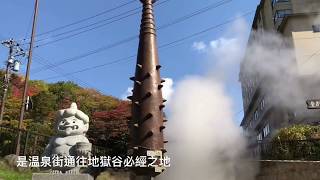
point(178, 60)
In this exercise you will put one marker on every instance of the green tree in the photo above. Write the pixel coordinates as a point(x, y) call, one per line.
point(65, 93)
point(12, 108)
point(44, 104)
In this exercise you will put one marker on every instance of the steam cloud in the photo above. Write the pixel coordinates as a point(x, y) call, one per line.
point(205, 143)
point(272, 61)
point(286, 81)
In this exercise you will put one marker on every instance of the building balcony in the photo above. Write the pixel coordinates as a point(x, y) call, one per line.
point(281, 3)
point(281, 9)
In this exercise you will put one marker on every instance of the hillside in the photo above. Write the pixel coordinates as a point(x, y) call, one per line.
point(107, 114)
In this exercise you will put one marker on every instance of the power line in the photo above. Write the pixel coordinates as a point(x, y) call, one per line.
point(134, 12)
point(81, 32)
point(85, 55)
point(119, 17)
point(160, 47)
point(131, 38)
point(195, 13)
point(205, 30)
point(85, 19)
point(45, 62)
point(181, 19)
point(98, 66)
point(84, 27)
point(91, 17)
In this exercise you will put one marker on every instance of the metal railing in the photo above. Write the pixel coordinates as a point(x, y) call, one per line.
point(32, 143)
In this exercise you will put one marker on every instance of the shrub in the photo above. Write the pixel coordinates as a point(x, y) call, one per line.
point(295, 142)
point(296, 132)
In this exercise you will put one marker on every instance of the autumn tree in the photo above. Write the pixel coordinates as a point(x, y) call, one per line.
point(108, 124)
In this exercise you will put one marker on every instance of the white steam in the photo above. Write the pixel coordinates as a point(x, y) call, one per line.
point(273, 63)
point(205, 143)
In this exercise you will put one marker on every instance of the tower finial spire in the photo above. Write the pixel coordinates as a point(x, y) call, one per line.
point(146, 127)
point(146, 1)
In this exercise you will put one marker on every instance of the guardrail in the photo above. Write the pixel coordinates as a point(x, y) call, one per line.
point(32, 143)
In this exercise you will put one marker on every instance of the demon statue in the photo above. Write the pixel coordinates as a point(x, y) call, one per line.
point(70, 139)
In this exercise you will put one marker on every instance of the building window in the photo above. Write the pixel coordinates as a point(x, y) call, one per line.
point(259, 137)
point(280, 14)
point(266, 130)
point(316, 28)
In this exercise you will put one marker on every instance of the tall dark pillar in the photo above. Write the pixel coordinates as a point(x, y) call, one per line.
point(146, 124)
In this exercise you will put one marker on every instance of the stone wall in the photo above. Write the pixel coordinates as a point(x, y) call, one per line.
point(289, 170)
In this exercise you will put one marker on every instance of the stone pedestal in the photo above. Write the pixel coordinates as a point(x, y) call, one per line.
point(120, 175)
point(48, 176)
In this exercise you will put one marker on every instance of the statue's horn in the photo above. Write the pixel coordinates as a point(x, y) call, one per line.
point(73, 105)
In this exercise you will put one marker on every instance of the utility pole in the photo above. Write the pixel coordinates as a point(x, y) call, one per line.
point(11, 64)
point(25, 89)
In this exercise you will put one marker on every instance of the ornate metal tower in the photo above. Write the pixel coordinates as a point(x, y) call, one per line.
point(146, 123)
